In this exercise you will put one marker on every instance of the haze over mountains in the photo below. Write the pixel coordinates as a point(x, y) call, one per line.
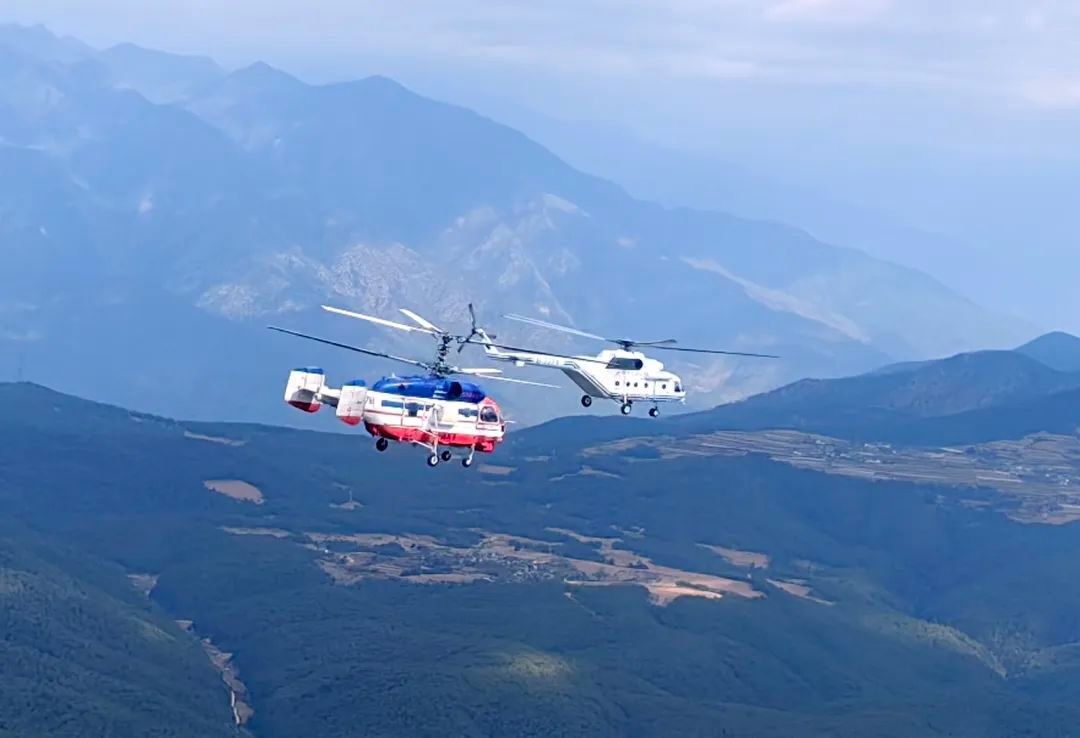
point(170, 207)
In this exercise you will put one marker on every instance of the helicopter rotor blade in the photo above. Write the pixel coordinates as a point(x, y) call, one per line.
point(348, 347)
point(554, 326)
point(380, 321)
point(717, 351)
point(666, 344)
point(520, 350)
point(625, 343)
point(522, 381)
point(655, 344)
point(422, 322)
point(479, 371)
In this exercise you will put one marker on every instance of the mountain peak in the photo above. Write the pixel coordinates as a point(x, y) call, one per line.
point(1057, 349)
point(39, 43)
point(262, 74)
point(132, 53)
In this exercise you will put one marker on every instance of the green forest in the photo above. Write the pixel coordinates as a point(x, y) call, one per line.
point(945, 619)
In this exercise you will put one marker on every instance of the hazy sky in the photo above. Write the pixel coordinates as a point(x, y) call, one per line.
point(957, 116)
point(688, 69)
point(1010, 53)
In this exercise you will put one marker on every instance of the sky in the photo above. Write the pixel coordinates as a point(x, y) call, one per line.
point(690, 69)
point(955, 117)
point(1012, 53)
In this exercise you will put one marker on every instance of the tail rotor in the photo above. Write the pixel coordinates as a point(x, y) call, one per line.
point(474, 331)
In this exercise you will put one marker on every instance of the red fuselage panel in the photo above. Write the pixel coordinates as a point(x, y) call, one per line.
point(484, 444)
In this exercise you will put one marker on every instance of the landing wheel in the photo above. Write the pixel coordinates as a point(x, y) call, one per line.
point(433, 460)
point(466, 462)
point(586, 401)
point(446, 455)
point(654, 412)
point(625, 408)
point(382, 444)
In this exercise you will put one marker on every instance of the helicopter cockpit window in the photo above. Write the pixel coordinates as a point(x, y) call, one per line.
point(488, 415)
point(625, 363)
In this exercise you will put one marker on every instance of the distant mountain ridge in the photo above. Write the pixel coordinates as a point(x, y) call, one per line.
point(1058, 350)
point(249, 195)
point(982, 395)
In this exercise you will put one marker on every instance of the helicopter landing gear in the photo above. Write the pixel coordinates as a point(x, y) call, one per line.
point(654, 412)
point(433, 460)
point(586, 401)
point(446, 456)
point(467, 461)
point(382, 444)
point(626, 407)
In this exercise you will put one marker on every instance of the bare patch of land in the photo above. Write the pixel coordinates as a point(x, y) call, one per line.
point(145, 583)
point(235, 489)
point(664, 594)
point(578, 537)
point(349, 504)
point(213, 439)
point(586, 471)
point(1037, 478)
point(797, 588)
point(745, 559)
point(505, 557)
point(230, 675)
point(272, 532)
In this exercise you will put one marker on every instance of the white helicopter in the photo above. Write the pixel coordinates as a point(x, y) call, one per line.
point(623, 375)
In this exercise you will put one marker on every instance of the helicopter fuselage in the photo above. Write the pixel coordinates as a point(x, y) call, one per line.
point(432, 412)
point(623, 376)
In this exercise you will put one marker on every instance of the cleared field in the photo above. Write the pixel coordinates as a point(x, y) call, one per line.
point(235, 489)
point(145, 583)
point(272, 532)
point(1037, 478)
point(745, 559)
point(501, 556)
point(797, 588)
point(213, 439)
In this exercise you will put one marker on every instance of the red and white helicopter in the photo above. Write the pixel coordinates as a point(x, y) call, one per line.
point(430, 410)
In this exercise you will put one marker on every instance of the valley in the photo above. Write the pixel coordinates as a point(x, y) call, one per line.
point(499, 557)
point(1036, 478)
point(735, 578)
